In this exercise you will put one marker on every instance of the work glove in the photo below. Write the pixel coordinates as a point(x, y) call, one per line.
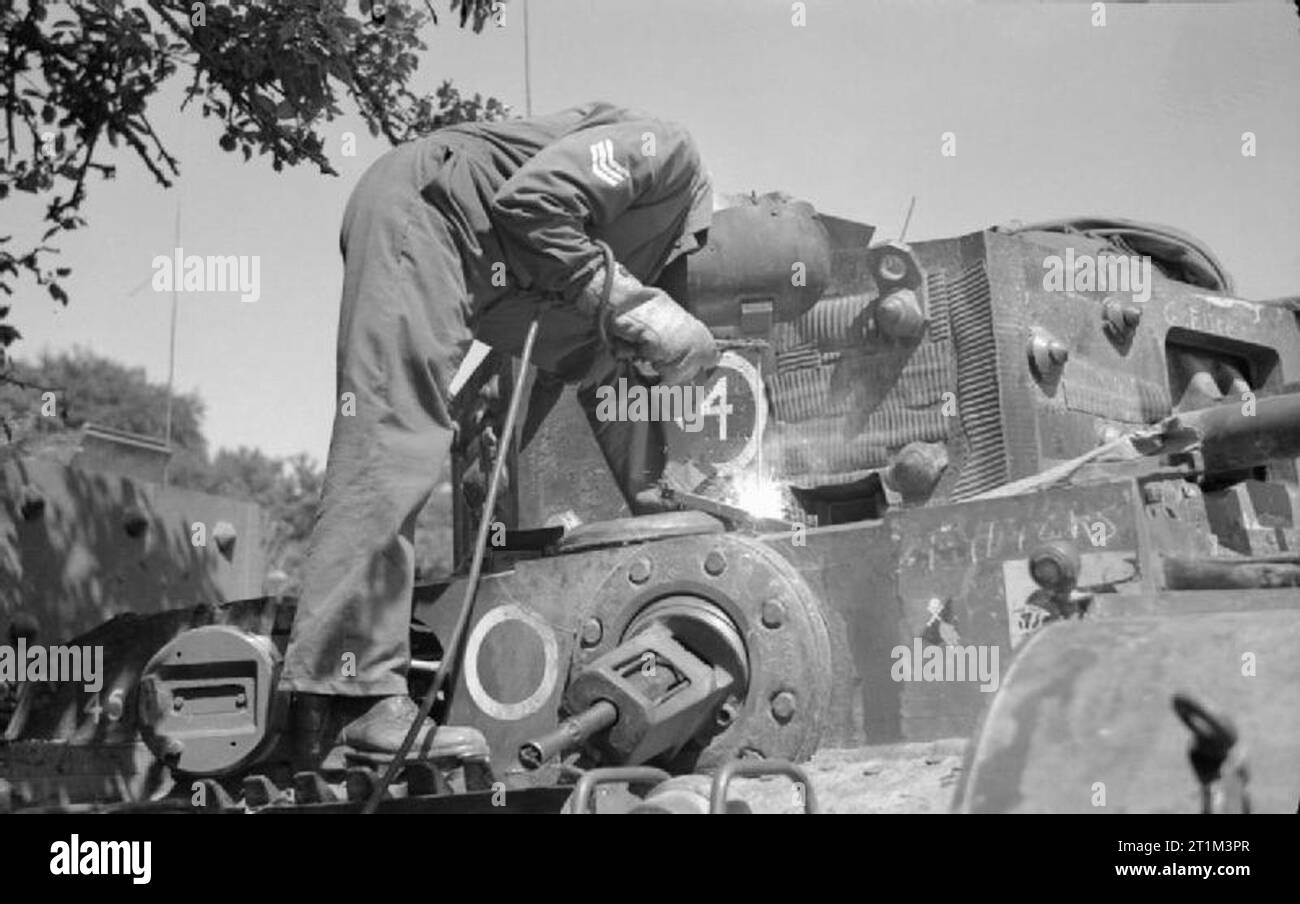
point(646, 320)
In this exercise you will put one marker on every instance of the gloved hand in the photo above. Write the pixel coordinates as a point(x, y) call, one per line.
point(658, 329)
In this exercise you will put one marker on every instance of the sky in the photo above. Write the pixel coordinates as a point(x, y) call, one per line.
point(1052, 115)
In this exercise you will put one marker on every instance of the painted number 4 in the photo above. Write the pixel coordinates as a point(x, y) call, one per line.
point(716, 403)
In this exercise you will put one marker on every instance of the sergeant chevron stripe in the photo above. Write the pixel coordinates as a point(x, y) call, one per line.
point(604, 166)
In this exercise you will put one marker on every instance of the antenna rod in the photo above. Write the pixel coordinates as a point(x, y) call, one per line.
point(907, 219)
point(528, 68)
point(171, 355)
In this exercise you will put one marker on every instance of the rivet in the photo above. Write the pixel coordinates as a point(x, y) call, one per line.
point(224, 536)
point(135, 523)
point(116, 704)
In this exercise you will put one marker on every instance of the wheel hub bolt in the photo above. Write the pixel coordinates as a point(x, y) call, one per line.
point(783, 706)
point(715, 563)
point(773, 615)
point(592, 632)
point(728, 711)
point(639, 572)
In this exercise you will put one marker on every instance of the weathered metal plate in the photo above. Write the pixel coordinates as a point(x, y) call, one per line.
point(1084, 721)
point(71, 563)
point(622, 531)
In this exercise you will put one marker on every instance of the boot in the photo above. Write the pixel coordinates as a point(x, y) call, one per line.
point(370, 730)
point(378, 732)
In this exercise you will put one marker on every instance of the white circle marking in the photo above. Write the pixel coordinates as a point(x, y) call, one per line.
point(510, 712)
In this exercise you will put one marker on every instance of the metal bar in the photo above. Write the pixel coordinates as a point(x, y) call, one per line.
point(750, 768)
point(1230, 574)
point(568, 734)
point(1240, 434)
point(592, 778)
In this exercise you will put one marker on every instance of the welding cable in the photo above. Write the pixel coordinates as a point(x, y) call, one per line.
point(617, 348)
point(475, 572)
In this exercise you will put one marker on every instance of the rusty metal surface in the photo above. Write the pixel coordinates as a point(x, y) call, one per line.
point(1085, 724)
point(961, 569)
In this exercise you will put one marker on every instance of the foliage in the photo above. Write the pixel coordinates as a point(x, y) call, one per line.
point(87, 387)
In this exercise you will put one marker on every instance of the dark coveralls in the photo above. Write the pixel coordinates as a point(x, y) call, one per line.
point(468, 232)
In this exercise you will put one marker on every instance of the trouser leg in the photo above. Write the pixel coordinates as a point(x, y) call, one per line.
point(633, 450)
point(402, 333)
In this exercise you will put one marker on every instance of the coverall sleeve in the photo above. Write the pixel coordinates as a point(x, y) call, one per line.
point(548, 209)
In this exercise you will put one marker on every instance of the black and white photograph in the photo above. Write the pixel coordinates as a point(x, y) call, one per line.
point(609, 407)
